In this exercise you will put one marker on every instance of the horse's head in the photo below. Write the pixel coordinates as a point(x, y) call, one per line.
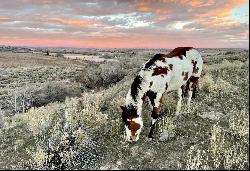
point(133, 123)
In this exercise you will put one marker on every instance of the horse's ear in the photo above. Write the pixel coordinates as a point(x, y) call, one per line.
point(123, 108)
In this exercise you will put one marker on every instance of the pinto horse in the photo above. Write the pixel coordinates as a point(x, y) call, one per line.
point(179, 70)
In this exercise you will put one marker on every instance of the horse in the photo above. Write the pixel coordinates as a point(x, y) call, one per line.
point(178, 71)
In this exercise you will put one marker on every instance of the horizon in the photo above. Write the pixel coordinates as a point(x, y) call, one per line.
point(120, 24)
point(61, 47)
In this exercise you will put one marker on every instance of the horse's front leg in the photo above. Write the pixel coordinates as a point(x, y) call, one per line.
point(155, 114)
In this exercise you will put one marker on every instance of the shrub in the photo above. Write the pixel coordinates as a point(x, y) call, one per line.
point(103, 75)
point(53, 91)
point(63, 135)
point(224, 65)
point(212, 87)
point(206, 82)
point(229, 53)
point(38, 95)
point(59, 55)
point(239, 124)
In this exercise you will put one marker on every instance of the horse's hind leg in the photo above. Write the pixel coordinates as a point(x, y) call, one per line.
point(191, 89)
point(178, 107)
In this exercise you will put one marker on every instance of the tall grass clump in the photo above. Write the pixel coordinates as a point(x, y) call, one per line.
point(167, 128)
point(223, 66)
point(197, 159)
point(228, 146)
point(215, 86)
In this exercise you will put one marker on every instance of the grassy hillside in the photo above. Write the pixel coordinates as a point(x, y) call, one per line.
point(80, 127)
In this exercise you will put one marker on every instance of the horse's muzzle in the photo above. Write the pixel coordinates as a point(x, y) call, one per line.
point(133, 138)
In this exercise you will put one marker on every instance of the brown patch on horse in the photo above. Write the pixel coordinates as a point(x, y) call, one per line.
point(157, 109)
point(186, 76)
point(195, 69)
point(155, 112)
point(171, 66)
point(179, 52)
point(132, 115)
point(161, 100)
point(143, 97)
point(133, 127)
point(163, 58)
point(160, 70)
point(194, 81)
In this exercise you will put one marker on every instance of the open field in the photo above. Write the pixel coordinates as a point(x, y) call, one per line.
point(62, 113)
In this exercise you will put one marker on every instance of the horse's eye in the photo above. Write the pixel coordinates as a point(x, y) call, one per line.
point(127, 123)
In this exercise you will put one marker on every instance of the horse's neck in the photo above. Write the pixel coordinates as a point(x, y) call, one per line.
point(137, 102)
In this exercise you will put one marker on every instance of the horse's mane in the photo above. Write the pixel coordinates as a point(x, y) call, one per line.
point(135, 86)
point(152, 60)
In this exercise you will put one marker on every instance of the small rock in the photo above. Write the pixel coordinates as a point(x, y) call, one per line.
point(134, 150)
point(107, 167)
point(115, 168)
point(211, 115)
point(119, 163)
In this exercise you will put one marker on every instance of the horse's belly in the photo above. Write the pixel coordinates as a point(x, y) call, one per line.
point(175, 85)
point(179, 78)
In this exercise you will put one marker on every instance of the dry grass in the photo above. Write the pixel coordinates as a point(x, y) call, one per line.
point(87, 133)
point(15, 60)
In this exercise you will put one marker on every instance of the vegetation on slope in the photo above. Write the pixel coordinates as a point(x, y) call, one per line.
point(86, 132)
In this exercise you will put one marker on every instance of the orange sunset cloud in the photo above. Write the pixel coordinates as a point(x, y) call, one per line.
point(74, 22)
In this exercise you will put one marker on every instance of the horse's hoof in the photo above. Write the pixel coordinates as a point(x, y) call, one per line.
point(150, 136)
point(175, 117)
point(161, 115)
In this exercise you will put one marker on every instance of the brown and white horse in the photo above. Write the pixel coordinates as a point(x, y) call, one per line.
point(163, 73)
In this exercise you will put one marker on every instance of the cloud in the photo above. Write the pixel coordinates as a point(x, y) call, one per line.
point(74, 22)
point(4, 18)
point(124, 23)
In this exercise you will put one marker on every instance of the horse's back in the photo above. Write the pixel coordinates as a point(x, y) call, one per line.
point(173, 72)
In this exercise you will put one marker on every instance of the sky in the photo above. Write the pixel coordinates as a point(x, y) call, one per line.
point(125, 23)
